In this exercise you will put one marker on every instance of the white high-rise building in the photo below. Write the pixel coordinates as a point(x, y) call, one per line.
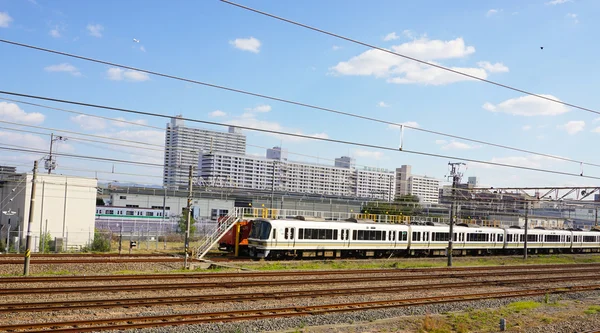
point(183, 145)
point(241, 171)
point(345, 162)
point(426, 188)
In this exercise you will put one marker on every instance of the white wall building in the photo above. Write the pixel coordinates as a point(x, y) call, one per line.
point(426, 188)
point(184, 144)
point(232, 170)
point(64, 207)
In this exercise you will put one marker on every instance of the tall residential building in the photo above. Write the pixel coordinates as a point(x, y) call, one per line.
point(473, 182)
point(231, 170)
point(183, 145)
point(426, 188)
point(277, 153)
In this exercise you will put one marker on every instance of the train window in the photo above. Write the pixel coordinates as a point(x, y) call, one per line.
point(509, 238)
point(129, 212)
point(472, 237)
point(335, 234)
point(589, 239)
point(149, 214)
point(521, 238)
point(552, 238)
point(404, 235)
point(440, 236)
point(416, 236)
point(383, 235)
point(110, 211)
point(274, 233)
point(532, 238)
point(569, 238)
point(500, 238)
point(354, 235)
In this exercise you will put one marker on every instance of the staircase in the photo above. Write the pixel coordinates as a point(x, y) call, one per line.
point(223, 227)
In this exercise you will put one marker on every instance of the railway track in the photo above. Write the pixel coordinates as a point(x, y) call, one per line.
point(270, 283)
point(125, 323)
point(62, 279)
point(84, 255)
point(217, 298)
point(100, 260)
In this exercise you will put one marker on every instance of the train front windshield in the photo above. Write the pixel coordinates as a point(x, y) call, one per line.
point(260, 230)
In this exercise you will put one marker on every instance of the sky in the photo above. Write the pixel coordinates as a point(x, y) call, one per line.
point(214, 42)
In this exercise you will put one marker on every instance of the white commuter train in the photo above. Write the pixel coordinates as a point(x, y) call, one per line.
point(296, 237)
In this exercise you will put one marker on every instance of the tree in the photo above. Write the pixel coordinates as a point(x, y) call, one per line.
point(101, 241)
point(45, 242)
point(99, 202)
point(407, 205)
point(182, 225)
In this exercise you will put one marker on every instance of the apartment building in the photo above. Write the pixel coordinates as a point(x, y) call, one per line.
point(183, 145)
point(426, 188)
point(279, 174)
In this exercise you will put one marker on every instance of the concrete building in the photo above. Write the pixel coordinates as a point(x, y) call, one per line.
point(473, 182)
point(277, 153)
point(184, 144)
point(250, 172)
point(345, 162)
point(64, 207)
point(426, 188)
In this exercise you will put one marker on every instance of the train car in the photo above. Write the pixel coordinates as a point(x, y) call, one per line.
point(433, 240)
point(538, 240)
point(586, 241)
point(283, 238)
point(228, 241)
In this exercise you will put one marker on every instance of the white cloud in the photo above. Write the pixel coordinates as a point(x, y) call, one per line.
point(5, 20)
point(492, 12)
point(336, 47)
point(391, 36)
point(453, 145)
point(528, 106)
point(574, 17)
point(408, 34)
point(89, 123)
point(371, 154)
point(557, 2)
point(573, 127)
point(526, 127)
point(55, 33)
point(95, 30)
point(250, 120)
point(406, 123)
point(64, 67)
point(118, 74)
point(142, 48)
point(493, 68)
point(529, 161)
point(119, 122)
point(24, 140)
point(247, 44)
point(383, 104)
point(260, 108)
point(402, 71)
point(217, 113)
point(12, 112)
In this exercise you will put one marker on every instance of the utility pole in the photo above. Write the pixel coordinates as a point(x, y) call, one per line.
point(50, 165)
point(456, 176)
point(188, 218)
point(30, 222)
point(526, 227)
point(596, 219)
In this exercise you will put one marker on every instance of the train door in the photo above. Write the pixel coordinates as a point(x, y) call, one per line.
point(288, 237)
point(273, 240)
point(345, 237)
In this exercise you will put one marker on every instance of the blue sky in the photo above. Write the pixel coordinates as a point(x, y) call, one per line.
point(214, 42)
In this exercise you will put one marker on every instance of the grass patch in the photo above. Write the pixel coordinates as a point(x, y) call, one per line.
point(594, 309)
point(435, 325)
point(51, 272)
point(523, 305)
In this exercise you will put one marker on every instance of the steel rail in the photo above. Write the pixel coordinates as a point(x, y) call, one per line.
point(83, 255)
point(125, 323)
point(62, 279)
point(244, 284)
point(216, 298)
point(108, 260)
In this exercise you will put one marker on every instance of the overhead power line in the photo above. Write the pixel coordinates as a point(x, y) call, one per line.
point(408, 57)
point(358, 144)
point(315, 107)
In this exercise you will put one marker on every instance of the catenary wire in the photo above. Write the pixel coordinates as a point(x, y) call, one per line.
point(305, 137)
point(408, 57)
point(309, 105)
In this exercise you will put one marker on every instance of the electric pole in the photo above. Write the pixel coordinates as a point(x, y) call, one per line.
point(456, 176)
point(188, 218)
point(50, 163)
point(30, 222)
